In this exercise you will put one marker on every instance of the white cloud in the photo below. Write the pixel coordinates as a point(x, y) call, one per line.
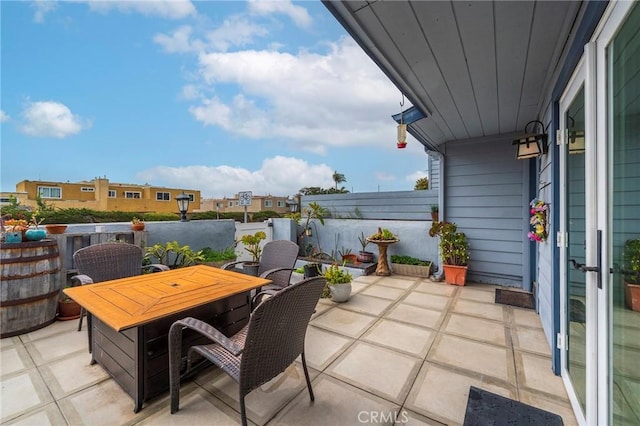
point(383, 176)
point(50, 119)
point(190, 92)
point(413, 177)
point(277, 176)
point(170, 9)
point(3, 117)
point(236, 30)
point(42, 7)
point(311, 100)
point(298, 14)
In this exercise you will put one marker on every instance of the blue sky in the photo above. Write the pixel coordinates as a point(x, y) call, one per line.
point(217, 96)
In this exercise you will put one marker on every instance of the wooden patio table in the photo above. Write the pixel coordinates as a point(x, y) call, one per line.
point(132, 316)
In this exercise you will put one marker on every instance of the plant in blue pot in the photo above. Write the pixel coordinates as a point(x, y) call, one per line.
point(34, 233)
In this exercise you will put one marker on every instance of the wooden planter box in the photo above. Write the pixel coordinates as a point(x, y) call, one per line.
point(412, 270)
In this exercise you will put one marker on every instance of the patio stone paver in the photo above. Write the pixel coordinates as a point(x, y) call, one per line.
point(402, 349)
point(415, 315)
point(402, 337)
point(476, 328)
point(394, 371)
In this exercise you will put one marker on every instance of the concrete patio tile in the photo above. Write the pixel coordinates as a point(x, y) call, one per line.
point(409, 418)
point(262, 403)
point(477, 294)
point(476, 329)
point(197, 407)
point(534, 372)
point(415, 315)
point(383, 292)
point(48, 415)
point(441, 393)
point(103, 404)
point(342, 321)
point(61, 383)
point(526, 317)
point(401, 337)
point(442, 289)
point(367, 279)
point(53, 347)
point(336, 403)
point(403, 283)
point(320, 308)
point(10, 341)
point(393, 375)
point(562, 408)
point(366, 304)
point(22, 392)
point(322, 347)
point(57, 327)
point(427, 300)
point(14, 358)
point(530, 340)
point(482, 358)
point(477, 309)
point(357, 287)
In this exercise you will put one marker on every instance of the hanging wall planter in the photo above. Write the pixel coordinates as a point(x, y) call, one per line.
point(538, 221)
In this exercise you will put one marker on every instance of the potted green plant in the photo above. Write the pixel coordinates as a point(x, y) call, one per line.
point(217, 258)
point(137, 224)
point(364, 256)
point(172, 254)
point(252, 245)
point(338, 283)
point(631, 273)
point(454, 250)
point(434, 212)
point(407, 265)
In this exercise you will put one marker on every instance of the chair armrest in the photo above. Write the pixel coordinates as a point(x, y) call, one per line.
point(82, 279)
point(210, 333)
point(260, 294)
point(266, 274)
point(156, 267)
point(230, 265)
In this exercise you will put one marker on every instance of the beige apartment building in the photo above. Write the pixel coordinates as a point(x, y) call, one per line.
point(258, 203)
point(102, 195)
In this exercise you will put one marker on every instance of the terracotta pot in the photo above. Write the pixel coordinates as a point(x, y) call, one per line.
point(456, 275)
point(56, 229)
point(68, 309)
point(434, 216)
point(632, 296)
point(350, 258)
point(137, 226)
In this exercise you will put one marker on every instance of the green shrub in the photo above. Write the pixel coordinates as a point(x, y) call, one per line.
point(408, 260)
point(160, 217)
point(264, 215)
point(210, 255)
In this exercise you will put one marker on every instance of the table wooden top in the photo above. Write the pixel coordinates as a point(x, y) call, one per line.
point(129, 302)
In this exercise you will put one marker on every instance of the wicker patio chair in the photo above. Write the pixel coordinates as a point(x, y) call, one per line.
point(104, 262)
point(276, 264)
point(264, 348)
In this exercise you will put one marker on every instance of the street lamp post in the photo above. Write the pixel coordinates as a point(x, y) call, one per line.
point(183, 205)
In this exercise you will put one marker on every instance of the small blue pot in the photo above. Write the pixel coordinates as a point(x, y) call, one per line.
point(35, 234)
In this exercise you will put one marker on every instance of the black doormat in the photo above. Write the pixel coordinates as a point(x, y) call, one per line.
point(486, 408)
point(515, 298)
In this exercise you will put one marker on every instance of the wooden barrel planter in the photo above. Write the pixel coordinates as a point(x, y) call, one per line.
point(30, 286)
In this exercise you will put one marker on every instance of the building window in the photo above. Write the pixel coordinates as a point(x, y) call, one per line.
point(268, 203)
point(219, 205)
point(230, 203)
point(112, 193)
point(87, 189)
point(163, 196)
point(191, 197)
point(49, 192)
point(281, 203)
point(5, 200)
point(132, 194)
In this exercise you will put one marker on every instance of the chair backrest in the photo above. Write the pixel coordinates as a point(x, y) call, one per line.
point(276, 333)
point(279, 254)
point(108, 261)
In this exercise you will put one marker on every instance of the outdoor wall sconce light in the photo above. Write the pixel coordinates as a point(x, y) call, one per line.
point(308, 232)
point(576, 139)
point(183, 205)
point(531, 145)
point(402, 129)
